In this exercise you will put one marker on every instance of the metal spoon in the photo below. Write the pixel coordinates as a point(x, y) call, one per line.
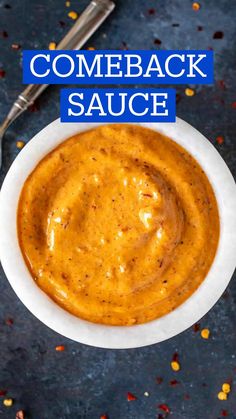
point(89, 21)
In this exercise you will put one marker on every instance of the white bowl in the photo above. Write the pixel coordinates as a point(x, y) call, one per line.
point(119, 336)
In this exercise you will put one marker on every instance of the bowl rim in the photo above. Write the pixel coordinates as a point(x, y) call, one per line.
point(119, 337)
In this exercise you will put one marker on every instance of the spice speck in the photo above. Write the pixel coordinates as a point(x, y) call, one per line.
point(60, 348)
point(218, 35)
point(189, 92)
point(205, 333)
point(73, 15)
point(131, 397)
point(20, 144)
point(222, 395)
point(52, 45)
point(226, 388)
point(8, 402)
point(196, 6)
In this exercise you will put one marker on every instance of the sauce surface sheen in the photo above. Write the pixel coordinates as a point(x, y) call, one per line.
point(119, 225)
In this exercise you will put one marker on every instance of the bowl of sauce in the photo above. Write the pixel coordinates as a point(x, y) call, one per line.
point(122, 233)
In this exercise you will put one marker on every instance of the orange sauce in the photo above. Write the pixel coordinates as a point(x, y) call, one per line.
point(119, 225)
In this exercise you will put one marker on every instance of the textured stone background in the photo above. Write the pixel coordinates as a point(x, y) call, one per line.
point(84, 382)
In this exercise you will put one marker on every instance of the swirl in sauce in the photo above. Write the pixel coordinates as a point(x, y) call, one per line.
point(119, 225)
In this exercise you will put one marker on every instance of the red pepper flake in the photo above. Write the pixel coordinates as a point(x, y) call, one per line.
point(104, 417)
point(7, 6)
point(186, 397)
point(4, 34)
point(200, 28)
point(60, 348)
point(159, 380)
point(224, 413)
point(178, 98)
point(196, 327)
point(221, 84)
point(3, 392)
point(16, 46)
point(175, 357)
point(160, 416)
point(20, 414)
point(9, 321)
point(62, 24)
point(157, 41)
point(234, 105)
point(174, 382)
point(220, 140)
point(33, 108)
point(175, 25)
point(2, 74)
point(218, 35)
point(164, 407)
point(131, 397)
point(124, 45)
point(151, 11)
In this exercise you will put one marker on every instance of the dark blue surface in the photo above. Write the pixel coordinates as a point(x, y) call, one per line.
point(84, 382)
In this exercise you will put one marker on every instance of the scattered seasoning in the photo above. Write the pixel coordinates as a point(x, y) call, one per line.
point(146, 394)
point(222, 396)
point(205, 333)
point(131, 397)
point(159, 380)
point(91, 49)
point(196, 6)
point(151, 11)
point(33, 108)
point(4, 34)
point(160, 416)
point(177, 98)
point(196, 327)
point(175, 25)
point(189, 92)
point(226, 388)
point(186, 397)
point(157, 41)
point(224, 413)
point(175, 366)
point(103, 417)
point(67, 3)
point(16, 46)
point(164, 407)
point(3, 392)
point(2, 74)
point(220, 139)
point(124, 46)
point(20, 414)
point(7, 6)
point(174, 382)
point(234, 105)
point(9, 321)
point(60, 348)
point(20, 144)
point(73, 15)
point(218, 35)
point(8, 402)
point(221, 84)
point(199, 28)
point(52, 45)
point(61, 23)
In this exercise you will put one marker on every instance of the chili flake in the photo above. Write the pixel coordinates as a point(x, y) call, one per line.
point(234, 105)
point(159, 380)
point(103, 417)
point(175, 365)
point(164, 407)
point(2, 74)
point(226, 388)
point(20, 414)
point(60, 348)
point(131, 397)
point(73, 15)
point(222, 396)
point(67, 3)
point(196, 6)
point(224, 413)
point(9, 321)
point(4, 34)
point(52, 45)
point(16, 46)
point(157, 41)
point(20, 144)
point(205, 333)
point(218, 35)
point(151, 11)
point(196, 327)
point(8, 402)
point(174, 382)
point(220, 139)
point(91, 49)
point(3, 392)
point(189, 92)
